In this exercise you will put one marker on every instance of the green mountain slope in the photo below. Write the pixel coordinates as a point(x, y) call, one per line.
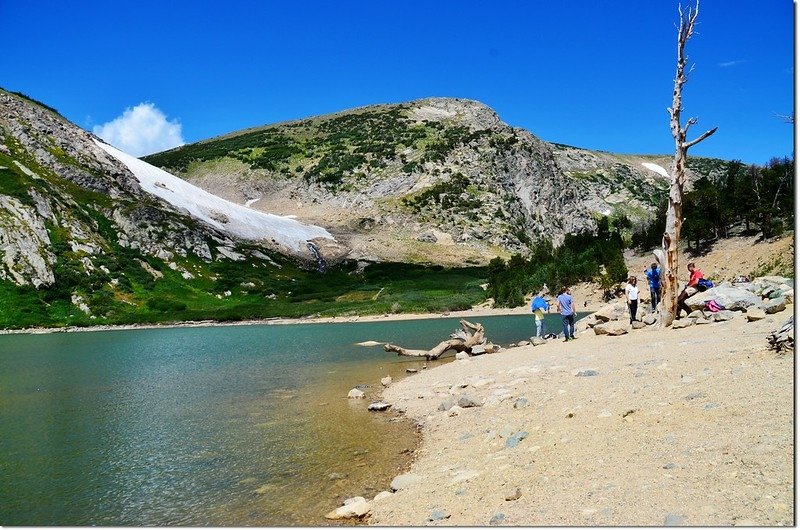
point(430, 181)
point(81, 244)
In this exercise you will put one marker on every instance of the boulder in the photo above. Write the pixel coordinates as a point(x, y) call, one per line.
point(538, 341)
point(354, 508)
point(649, 319)
point(724, 315)
point(446, 405)
point(589, 321)
point(467, 401)
point(732, 298)
point(610, 312)
point(755, 313)
point(355, 394)
point(462, 356)
point(775, 305)
point(703, 320)
point(386, 381)
point(682, 323)
point(697, 313)
point(378, 406)
point(638, 324)
point(614, 328)
point(382, 495)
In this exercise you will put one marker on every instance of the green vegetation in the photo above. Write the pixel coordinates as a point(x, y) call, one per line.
point(760, 198)
point(582, 257)
point(226, 290)
point(331, 151)
point(455, 194)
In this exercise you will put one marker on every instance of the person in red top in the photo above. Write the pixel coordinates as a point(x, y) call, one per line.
point(695, 275)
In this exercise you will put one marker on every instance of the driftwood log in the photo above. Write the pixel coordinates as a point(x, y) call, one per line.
point(470, 339)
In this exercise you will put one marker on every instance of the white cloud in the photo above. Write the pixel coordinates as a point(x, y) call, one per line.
point(141, 130)
point(726, 64)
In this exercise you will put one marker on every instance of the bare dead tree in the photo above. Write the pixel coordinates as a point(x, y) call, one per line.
point(667, 256)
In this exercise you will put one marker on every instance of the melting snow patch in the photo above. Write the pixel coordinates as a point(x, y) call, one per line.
point(223, 215)
point(655, 167)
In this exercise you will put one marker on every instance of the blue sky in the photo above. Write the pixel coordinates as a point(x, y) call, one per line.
point(589, 73)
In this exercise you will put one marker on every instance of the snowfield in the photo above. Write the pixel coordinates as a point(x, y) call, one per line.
point(234, 219)
point(655, 167)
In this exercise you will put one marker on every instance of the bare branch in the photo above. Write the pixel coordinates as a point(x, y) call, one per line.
point(689, 123)
point(687, 145)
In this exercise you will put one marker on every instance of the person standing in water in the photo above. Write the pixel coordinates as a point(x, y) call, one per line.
point(567, 306)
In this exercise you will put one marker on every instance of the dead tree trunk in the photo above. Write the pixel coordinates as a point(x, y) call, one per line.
point(672, 232)
point(470, 338)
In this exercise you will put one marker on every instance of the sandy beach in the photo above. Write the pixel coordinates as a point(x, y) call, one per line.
point(689, 426)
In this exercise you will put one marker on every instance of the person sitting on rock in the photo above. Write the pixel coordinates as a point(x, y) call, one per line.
point(695, 275)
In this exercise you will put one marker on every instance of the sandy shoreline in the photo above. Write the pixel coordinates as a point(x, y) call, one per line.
point(692, 426)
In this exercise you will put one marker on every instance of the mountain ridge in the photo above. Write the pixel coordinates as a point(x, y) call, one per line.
point(435, 180)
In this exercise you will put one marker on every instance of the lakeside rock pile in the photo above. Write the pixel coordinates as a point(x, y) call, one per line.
point(763, 296)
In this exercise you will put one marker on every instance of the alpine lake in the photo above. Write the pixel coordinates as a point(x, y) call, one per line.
point(244, 425)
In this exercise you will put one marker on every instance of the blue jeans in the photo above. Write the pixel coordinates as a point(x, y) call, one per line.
point(655, 297)
point(569, 326)
point(539, 326)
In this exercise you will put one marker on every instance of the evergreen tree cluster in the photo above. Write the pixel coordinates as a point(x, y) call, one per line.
point(761, 198)
point(583, 257)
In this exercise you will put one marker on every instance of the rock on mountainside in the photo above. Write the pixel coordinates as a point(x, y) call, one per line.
point(436, 180)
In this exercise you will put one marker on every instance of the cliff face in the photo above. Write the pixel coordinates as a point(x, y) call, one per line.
point(435, 180)
point(66, 204)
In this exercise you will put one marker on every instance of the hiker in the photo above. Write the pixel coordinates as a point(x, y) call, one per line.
point(567, 306)
point(539, 306)
point(654, 279)
point(695, 275)
point(632, 297)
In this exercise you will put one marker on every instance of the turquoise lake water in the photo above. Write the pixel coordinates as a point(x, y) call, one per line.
point(216, 426)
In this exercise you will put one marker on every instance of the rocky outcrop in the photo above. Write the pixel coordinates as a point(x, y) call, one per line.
point(767, 293)
point(24, 245)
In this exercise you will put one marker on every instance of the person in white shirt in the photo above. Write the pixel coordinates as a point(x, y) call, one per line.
point(632, 297)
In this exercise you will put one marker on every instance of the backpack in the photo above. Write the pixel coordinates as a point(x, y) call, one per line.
point(713, 306)
point(703, 284)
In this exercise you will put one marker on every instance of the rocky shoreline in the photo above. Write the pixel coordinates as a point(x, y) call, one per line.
point(685, 426)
